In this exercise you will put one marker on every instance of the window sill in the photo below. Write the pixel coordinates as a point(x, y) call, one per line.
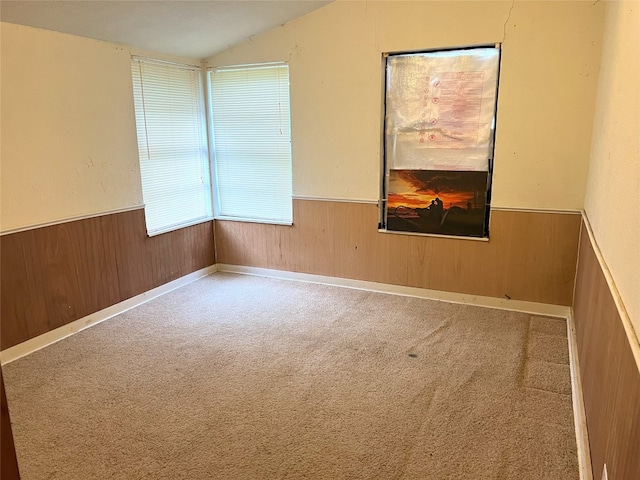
point(253, 220)
point(435, 235)
point(172, 228)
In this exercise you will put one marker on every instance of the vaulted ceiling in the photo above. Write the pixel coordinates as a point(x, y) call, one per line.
point(187, 28)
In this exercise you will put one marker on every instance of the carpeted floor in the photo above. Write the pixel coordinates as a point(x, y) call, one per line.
point(239, 377)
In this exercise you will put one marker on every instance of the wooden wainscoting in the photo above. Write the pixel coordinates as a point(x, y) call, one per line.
point(53, 275)
point(609, 372)
point(531, 255)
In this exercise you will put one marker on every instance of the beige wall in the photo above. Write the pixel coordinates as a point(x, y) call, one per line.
point(68, 128)
point(613, 194)
point(68, 132)
point(551, 54)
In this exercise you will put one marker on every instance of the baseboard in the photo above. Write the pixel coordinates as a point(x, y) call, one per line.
point(41, 341)
point(46, 339)
point(452, 297)
point(579, 414)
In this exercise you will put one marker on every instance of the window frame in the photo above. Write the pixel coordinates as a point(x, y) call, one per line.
point(213, 151)
point(205, 162)
point(384, 169)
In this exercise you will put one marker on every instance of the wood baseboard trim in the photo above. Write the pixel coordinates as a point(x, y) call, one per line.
point(463, 298)
point(579, 413)
point(46, 339)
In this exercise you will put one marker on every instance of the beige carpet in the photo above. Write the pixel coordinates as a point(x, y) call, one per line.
point(239, 377)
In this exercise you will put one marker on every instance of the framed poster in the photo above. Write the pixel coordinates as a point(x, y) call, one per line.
point(439, 130)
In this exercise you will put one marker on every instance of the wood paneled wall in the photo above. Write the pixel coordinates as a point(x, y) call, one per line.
point(609, 372)
point(531, 255)
point(53, 275)
point(8, 462)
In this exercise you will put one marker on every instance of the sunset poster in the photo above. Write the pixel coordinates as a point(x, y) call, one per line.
point(436, 201)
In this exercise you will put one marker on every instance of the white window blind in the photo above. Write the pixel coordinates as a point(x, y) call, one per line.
point(172, 144)
point(252, 138)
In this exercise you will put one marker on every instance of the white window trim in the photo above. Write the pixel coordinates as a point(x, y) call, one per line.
point(212, 150)
point(206, 140)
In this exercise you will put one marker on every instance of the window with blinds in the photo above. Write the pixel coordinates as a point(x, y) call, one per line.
point(252, 142)
point(172, 144)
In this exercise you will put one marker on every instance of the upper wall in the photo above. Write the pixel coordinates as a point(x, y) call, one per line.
point(612, 200)
point(69, 143)
point(68, 128)
point(551, 53)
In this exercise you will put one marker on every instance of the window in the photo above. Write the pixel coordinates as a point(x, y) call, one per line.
point(439, 129)
point(252, 142)
point(172, 144)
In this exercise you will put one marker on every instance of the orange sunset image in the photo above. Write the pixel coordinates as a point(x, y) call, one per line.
point(433, 201)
